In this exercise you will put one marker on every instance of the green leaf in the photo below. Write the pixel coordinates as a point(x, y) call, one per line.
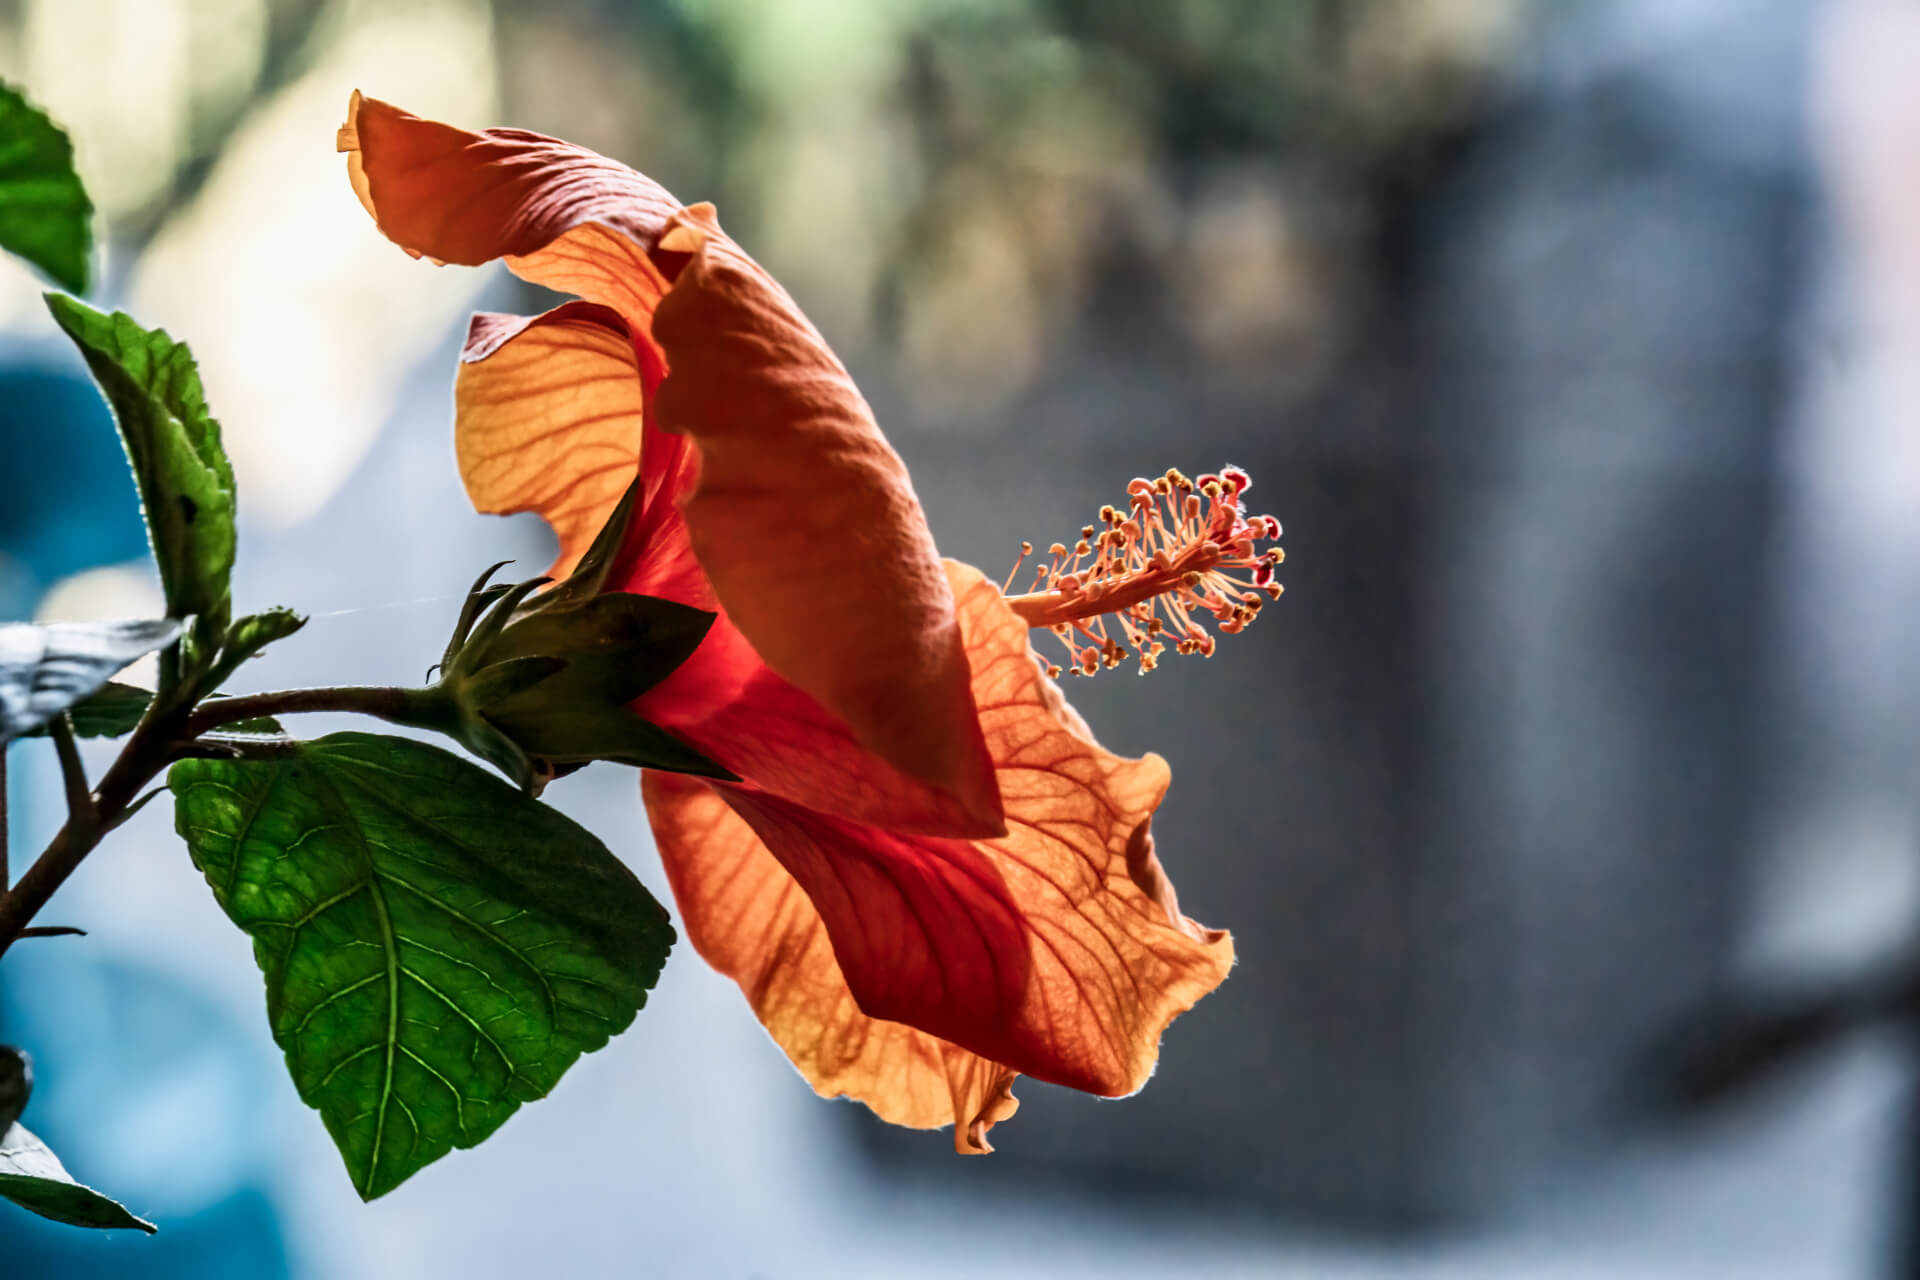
point(45, 215)
point(116, 708)
point(185, 480)
point(256, 631)
point(45, 669)
point(112, 711)
point(247, 637)
point(438, 947)
point(32, 1177)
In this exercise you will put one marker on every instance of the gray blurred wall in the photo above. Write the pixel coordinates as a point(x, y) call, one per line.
point(1484, 843)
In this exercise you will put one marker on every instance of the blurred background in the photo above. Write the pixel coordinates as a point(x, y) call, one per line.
point(1563, 810)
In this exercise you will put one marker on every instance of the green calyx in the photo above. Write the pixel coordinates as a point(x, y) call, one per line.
point(540, 682)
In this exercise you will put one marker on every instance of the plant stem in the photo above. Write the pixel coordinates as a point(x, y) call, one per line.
point(73, 774)
point(4, 880)
point(387, 703)
point(159, 741)
point(146, 753)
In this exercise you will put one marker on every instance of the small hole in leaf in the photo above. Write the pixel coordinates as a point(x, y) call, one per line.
point(189, 509)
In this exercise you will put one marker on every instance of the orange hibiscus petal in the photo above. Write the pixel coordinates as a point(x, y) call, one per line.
point(803, 518)
point(1057, 951)
point(565, 384)
point(571, 382)
point(741, 712)
point(804, 512)
point(562, 216)
point(748, 918)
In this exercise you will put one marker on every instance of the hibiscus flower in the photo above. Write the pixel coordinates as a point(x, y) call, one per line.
point(928, 878)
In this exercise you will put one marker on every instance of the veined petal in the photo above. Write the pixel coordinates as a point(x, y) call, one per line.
point(734, 708)
point(803, 517)
point(1056, 951)
point(549, 418)
point(806, 522)
point(570, 384)
point(748, 918)
point(562, 216)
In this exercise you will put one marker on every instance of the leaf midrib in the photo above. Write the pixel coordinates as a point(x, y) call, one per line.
point(389, 941)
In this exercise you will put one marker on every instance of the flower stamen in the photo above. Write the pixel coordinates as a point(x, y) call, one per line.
point(1183, 550)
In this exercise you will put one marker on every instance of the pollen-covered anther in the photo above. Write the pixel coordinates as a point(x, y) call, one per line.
point(1182, 551)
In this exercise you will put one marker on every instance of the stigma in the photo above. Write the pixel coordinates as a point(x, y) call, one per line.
point(1183, 555)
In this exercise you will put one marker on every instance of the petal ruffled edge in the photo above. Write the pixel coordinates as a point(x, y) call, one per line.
point(1057, 951)
point(749, 919)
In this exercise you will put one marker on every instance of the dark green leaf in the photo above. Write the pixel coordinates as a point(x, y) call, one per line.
point(16, 1084)
point(32, 1177)
point(47, 668)
point(113, 710)
point(438, 947)
point(45, 215)
point(185, 481)
point(116, 708)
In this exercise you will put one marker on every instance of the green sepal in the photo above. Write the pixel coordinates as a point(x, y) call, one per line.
point(480, 597)
point(589, 577)
point(504, 680)
point(476, 649)
point(585, 732)
point(558, 681)
point(616, 646)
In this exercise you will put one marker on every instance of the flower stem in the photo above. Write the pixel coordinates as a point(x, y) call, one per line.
point(162, 738)
point(402, 706)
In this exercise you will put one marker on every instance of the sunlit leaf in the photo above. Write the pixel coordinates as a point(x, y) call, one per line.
point(251, 634)
point(247, 637)
point(45, 215)
point(185, 480)
point(438, 947)
point(47, 668)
